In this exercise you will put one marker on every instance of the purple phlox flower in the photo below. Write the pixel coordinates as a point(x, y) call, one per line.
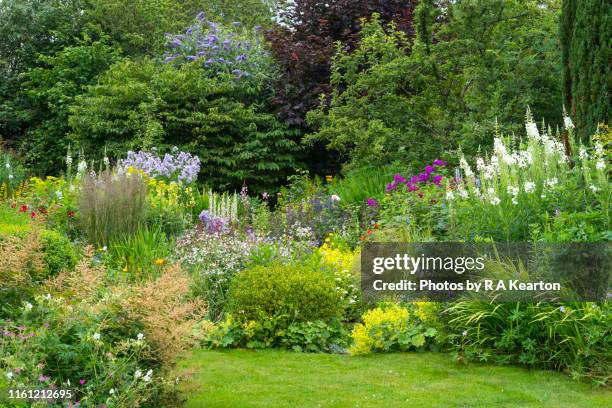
point(437, 179)
point(439, 163)
point(429, 169)
point(257, 28)
point(414, 179)
point(391, 186)
point(200, 16)
point(227, 42)
point(209, 61)
point(412, 187)
point(82, 381)
point(212, 39)
point(398, 178)
point(191, 57)
point(372, 202)
point(423, 177)
point(241, 57)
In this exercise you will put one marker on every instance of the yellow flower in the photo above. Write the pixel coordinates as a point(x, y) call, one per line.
point(160, 261)
point(329, 178)
point(125, 269)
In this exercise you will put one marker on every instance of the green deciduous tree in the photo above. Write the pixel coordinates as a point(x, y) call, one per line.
point(142, 104)
point(586, 38)
point(472, 62)
point(50, 90)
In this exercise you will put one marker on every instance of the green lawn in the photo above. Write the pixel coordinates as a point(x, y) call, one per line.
point(241, 378)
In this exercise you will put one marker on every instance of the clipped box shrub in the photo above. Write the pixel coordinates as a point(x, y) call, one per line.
point(290, 293)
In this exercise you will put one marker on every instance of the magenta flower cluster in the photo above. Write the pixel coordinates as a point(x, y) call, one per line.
point(426, 177)
point(218, 48)
point(176, 165)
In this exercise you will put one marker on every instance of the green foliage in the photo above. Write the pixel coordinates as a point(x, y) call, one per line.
point(51, 89)
point(28, 30)
point(59, 253)
point(12, 174)
point(48, 342)
point(532, 192)
point(138, 26)
point(572, 336)
point(586, 28)
point(393, 327)
point(139, 256)
point(315, 337)
point(360, 184)
point(289, 293)
point(139, 105)
point(473, 61)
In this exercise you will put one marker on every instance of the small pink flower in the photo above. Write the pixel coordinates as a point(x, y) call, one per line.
point(43, 378)
point(82, 381)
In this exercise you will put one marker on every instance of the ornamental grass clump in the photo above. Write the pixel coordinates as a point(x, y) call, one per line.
point(112, 205)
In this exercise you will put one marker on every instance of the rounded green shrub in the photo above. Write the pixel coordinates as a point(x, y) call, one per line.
point(59, 253)
point(289, 293)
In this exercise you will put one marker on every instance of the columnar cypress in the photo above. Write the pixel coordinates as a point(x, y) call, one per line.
point(586, 37)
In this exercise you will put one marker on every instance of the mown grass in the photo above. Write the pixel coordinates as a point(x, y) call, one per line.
point(270, 378)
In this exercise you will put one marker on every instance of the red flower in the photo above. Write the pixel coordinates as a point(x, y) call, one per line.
point(32, 214)
point(70, 213)
point(369, 231)
point(13, 205)
point(42, 210)
point(23, 208)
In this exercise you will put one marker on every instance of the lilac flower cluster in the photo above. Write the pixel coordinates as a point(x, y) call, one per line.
point(176, 165)
point(426, 177)
point(220, 49)
point(212, 223)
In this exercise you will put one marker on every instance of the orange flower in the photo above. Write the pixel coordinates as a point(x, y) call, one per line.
point(362, 238)
point(369, 231)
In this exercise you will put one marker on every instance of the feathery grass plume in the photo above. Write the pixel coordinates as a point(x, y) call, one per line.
point(112, 205)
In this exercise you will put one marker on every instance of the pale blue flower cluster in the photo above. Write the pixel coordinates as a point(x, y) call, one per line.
point(177, 165)
point(231, 49)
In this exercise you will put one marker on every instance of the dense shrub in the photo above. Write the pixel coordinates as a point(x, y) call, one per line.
point(305, 42)
point(29, 256)
point(287, 293)
point(59, 253)
point(140, 105)
point(111, 205)
point(69, 338)
point(572, 336)
point(471, 62)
